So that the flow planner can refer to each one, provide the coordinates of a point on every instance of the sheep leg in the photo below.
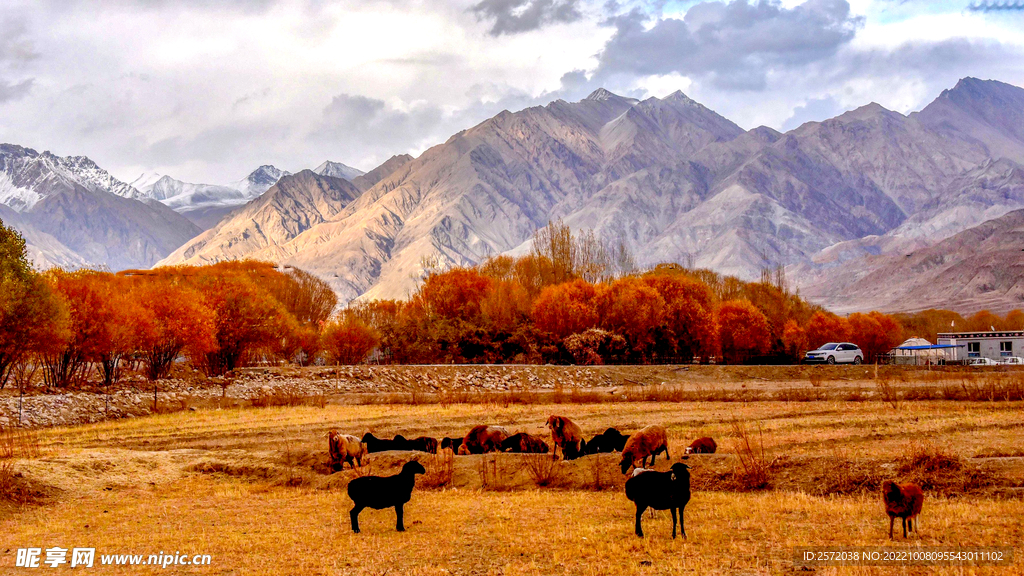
(682, 524)
(673, 522)
(904, 527)
(354, 515)
(639, 515)
(398, 513)
(910, 524)
(891, 520)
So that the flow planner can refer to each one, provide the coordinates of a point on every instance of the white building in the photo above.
(994, 345)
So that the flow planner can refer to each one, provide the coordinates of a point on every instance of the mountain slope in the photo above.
(979, 268)
(293, 205)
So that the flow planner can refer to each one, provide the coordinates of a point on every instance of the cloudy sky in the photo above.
(206, 90)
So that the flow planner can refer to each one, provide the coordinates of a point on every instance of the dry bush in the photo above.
(989, 388)
(488, 471)
(944, 473)
(839, 474)
(887, 392)
(19, 443)
(440, 470)
(815, 379)
(755, 469)
(282, 396)
(543, 469)
(599, 480)
(16, 489)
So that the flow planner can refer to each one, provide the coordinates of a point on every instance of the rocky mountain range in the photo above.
(73, 213)
(838, 202)
(673, 181)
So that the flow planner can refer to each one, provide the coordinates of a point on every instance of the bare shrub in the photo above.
(440, 470)
(755, 469)
(488, 471)
(544, 470)
(887, 392)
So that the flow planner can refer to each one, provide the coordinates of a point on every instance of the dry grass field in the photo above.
(251, 488)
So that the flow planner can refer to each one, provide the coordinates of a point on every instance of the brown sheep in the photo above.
(345, 448)
(902, 501)
(702, 446)
(483, 439)
(567, 436)
(648, 442)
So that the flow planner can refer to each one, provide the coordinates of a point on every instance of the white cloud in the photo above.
(207, 90)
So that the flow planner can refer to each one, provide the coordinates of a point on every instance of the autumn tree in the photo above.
(248, 320)
(69, 365)
(347, 340)
(628, 306)
(689, 313)
(743, 330)
(457, 293)
(794, 339)
(173, 320)
(309, 299)
(983, 321)
(33, 318)
(566, 308)
(824, 327)
(875, 333)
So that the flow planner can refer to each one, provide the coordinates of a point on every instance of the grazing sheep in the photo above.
(524, 443)
(902, 501)
(374, 444)
(567, 436)
(379, 492)
(344, 448)
(452, 444)
(611, 440)
(483, 439)
(424, 444)
(660, 491)
(702, 446)
(648, 442)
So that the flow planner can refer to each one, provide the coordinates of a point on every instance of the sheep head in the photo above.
(627, 461)
(413, 467)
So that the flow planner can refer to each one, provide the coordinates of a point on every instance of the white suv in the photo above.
(836, 353)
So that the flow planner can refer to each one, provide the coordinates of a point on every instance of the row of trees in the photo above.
(68, 325)
(571, 300)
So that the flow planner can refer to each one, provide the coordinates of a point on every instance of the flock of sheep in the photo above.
(646, 488)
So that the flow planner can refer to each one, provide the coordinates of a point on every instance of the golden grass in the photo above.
(255, 529)
(249, 487)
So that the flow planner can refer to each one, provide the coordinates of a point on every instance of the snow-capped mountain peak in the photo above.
(337, 170)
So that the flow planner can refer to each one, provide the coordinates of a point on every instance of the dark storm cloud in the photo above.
(515, 16)
(732, 45)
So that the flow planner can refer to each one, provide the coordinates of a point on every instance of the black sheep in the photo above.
(452, 443)
(374, 444)
(379, 492)
(661, 491)
(611, 440)
(424, 444)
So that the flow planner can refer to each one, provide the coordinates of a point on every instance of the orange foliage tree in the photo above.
(348, 340)
(173, 319)
(628, 306)
(875, 333)
(248, 320)
(689, 314)
(457, 293)
(794, 338)
(824, 327)
(565, 309)
(744, 330)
